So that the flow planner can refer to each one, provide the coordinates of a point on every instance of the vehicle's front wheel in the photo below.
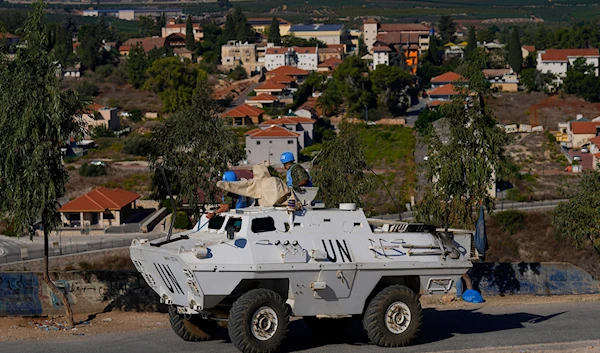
(393, 317)
(194, 328)
(258, 321)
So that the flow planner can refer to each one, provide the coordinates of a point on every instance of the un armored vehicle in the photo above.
(251, 269)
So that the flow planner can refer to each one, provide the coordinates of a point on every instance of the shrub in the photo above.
(88, 89)
(138, 146)
(182, 221)
(102, 131)
(89, 170)
(515, 195)
(510, 221)
(252, 94)
(136, 115)
(239, 73)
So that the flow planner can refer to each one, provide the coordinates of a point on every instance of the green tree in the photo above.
(515, 55)
(238, 73)
(243, 30)
(425, 119)
(472, 42)
(339, 168)
(33, 130)
(292, 41)
(362, 47)
(579, 218)
(464, 155)
(433, 52)
(190, 43)
(229, 29)
(148, 27)
(331, 99)
(354, 84)
(88, 50)
(447, 28)
(392, 84)
(194, 147)
(274, 34)
(536, 81)
(137, 64)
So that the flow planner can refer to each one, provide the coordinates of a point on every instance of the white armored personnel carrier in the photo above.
(251, 269)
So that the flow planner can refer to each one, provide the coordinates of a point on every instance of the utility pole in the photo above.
(367, 114)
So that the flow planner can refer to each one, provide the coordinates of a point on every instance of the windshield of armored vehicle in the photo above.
(216, 222)
(263, 224)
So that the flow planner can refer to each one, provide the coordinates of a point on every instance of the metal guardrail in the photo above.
(73, 249)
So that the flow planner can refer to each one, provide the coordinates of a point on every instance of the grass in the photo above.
(387, 146)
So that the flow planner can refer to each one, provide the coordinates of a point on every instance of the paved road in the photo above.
(453, 330)
(241, 99)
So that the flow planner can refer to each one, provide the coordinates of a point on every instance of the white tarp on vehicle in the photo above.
(268, 190)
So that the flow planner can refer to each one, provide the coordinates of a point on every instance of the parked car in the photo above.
(98, 163)
(576, 158)
(371, 123)
(585, 150)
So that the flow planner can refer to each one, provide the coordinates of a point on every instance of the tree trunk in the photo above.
(55, 289)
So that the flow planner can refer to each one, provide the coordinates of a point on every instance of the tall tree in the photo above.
(339, 168)
(274, 34)
(137, 64)
(391, 84)
(362, 47)
(433, 52)
(447, 28)
(465, 153)
(190, 43)
(185, 147)
(243, 30)
(472, 42)
(36, 119)
(515, 55)
(354, 84)
(63, 47)
(229, 28)
(579, 218)
(148, 27)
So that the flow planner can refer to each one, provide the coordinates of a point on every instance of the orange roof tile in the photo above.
(273, 131)
(595, 140)
(99, 200)
(243, 111)
(288, 120)
(289, 70)
(597, 155)
(147, 43)
(305, 50)
(371, 20)
(403, 27)
(447, 77)
(565, 54)
(437, 103)
(332, 63)
(584, 127)
(274, 51)
(263, 97)
(271, 86)
(445, 90)
(283, 79)
(529, 48)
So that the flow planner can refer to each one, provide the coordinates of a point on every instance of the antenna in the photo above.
(162, 172)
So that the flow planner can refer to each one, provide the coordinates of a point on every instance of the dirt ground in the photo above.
(29, 328)
(540, 109)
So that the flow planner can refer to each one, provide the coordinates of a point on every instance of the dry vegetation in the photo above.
(537, 241)
(133, 180)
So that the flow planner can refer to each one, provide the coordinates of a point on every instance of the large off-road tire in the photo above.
(193, 329)
(393, 317)
(258, 321)
(328, 326)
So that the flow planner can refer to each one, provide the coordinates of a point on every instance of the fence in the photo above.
(71, 249)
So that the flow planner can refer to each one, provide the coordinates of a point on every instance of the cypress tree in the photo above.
(472, 42)
(274, 34)
(190, 43)
(515, 57)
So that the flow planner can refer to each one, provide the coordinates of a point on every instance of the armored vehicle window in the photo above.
(260, 225)
(234, 222)
(216, 222)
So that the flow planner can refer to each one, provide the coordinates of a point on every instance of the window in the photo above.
(270, 141)
(261, 225)
(216, 222)
(290, 142)
(258, 142)
(235, 222)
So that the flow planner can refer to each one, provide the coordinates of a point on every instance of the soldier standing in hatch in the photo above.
(231, 201)
(296, 175)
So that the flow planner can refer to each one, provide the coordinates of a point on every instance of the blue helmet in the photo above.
(230, 176)
(286, 157)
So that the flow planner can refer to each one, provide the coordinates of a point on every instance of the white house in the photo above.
(303, 126)
(381, 54)
(267, 144)
(558, 61)
(306, 58)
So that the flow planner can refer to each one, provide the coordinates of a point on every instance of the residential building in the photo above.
(8, 40)
(134, 14)
(183, 53)
(504, 80)
(580, 132)
(454, 51)
(329, 65)
(396, 34)
(298, 74)
(263, 101)
(244, 115)
(173, 27)
(306, 58)
(309, 109)
(100, 208)
(148, 43)
(381, 53)
(260, 25)
(301, 125)
(558, 61)
(527, 50)
(444, 93)
(240, 54)
(96, 115)
(446, 78)
(282, 79)
(332, 51)
(330, 34)
(268, 143)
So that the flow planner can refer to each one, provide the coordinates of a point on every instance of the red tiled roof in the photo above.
(273, 51)
(288, 120)
(182, 25)
(125, 48)
(565, 54)
(273, 131)
(8, 35)
(447, 77)
(584, 127)
(381, 48)
(595, 140)
(283, 79)
(305, 50)
(147, 43)
(243, 111)
(437, 103)
(403, 27)
(371, 20)
(529, 48)
(332, 63)
(263, 97)
(271, 86)
(445, 90)
(94, 107)
(267, 19)
(289, 70)
(179, 36)
(99, 200)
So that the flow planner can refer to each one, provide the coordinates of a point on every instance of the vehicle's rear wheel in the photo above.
(393, 317)
(328, 326)
(258, 321)
(194, 328)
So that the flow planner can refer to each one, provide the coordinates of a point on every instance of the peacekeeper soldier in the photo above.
(296, 175)
(230, 200)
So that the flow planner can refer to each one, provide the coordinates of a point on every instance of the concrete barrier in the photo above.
(532, 278)
(25, 293)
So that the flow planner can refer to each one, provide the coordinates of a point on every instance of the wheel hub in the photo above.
(397, 317)
(264, 323)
